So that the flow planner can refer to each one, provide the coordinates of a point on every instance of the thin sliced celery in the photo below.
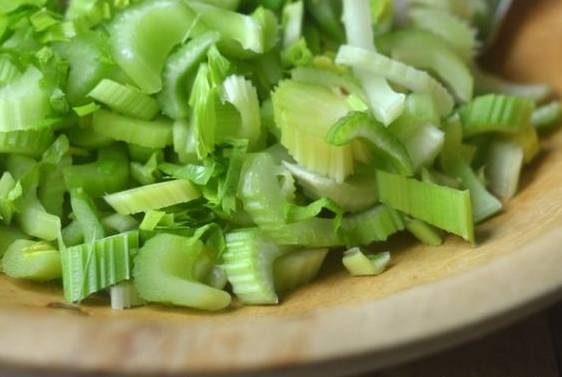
(143, 35)
(327, 15)
(496, 113)
(91, 267)
(375, 224)
(424, 145)
(124, 296)
(292, 20)
(314, 232)
(32, 260)
(242, 94)
(423, 232)
(150, 134)
(487, 83)
(528, 140)
(72, 234)
(119, 223)
(397, 72)
(10, 192)
(329, 78)
(125, 99)
(443, 207)
(85, 212)
(547, 116)
(164, 273)
(7, 236)
(359, 264)
(27, 142)
(182, 64)
(203, 100)
(503, 168)
(248, 263)
(155, 196)
(297, 268)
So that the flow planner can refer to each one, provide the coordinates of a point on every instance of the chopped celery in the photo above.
(423, 232)
(119, 223)
(164, 273)
(27, 142)
(314, 232)
(503, 167)
(547, 116)
(124, 296)
(85, 213)
(7, 236)
(487, 83)
(32, 260)
(297, 268)
(375, 224)
(293, 16)
(359, 264)
(242, 94)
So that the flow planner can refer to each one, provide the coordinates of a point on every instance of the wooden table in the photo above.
(531, 348)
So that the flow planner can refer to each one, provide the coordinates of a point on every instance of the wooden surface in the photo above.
(430, 298)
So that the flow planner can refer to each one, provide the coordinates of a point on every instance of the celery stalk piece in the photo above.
(203, 100)
(424, 145)
(385, 103)
(297, 268)
(32, 260)
(487, 83)
(248, 263)
(24, 104)
(435, 56)
(124, 296)
(423, 232)
(85, 212)
(528, 140)
(9, 71)
(142, 36)
(125, 99)
(91, 267)
(292, 21)
(119, 223)
(150, 134)
(269, 25)
(30, 142)
(52, 188)
(10, 192)
(7, 236)
(311, 233)
(242, 94)
(484, 204)
(164, 273)
(357, 193)
(375, 224)
(359, 264)
(358, 125)
(547, 116)
(457, 32)
(155, 196)
(503, 168)
(179, 67)
(496, 113)
(327, 15)
(443, 207)
(329, 78)
(460, 8)
(397, 72)
(420, 111)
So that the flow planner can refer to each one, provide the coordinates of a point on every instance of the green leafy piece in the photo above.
(547, 116)
(155, 196)
(32, 260)
(373, 225)
(165, 272)
(443, 207)
(359, 264)
(423, 232)
(91, 267)
(297, 268)
(248, 263)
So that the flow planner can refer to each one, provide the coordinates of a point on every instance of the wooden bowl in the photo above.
(428, 299)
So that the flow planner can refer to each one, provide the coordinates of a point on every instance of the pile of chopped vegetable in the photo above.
(173, 151)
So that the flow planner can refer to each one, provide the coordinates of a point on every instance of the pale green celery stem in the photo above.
(293, 14)
(503, 168)
(359, 264)
(124, 296)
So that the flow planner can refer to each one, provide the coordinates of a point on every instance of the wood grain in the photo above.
(429, 298)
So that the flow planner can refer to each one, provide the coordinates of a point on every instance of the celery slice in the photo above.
(487, 83)
(496, 113)
(124, 296)
(375, 224)
(164, 273)
(423, 232)
(359, 264)
(119, 223)
(155, 196)
(203, 100)
(292, 21)
(297, 268)
(124, 99)
(443, 207)
(528, 140)
(27, 142)
(397, 72)
(503, 168)
(143, 35)
(10, 192)
(32, 260)
(242, 94)
(85, 212)
(72, 234)
(150, 134)
(314, 233)
(248, 263)
(547, 116)
(7, 236)
(91, 267)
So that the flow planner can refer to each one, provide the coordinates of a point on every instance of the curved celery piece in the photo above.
(269, 25)
(328, 78)
(31, 142)
(85, 212)
(420, 110)
(496, 113)
(181, 64)
(203, 100)
(8, 235)
(327, 15)
(119, 223)
(423, 232)
(547, 116)
(297, 268)
(248, 263)
(150, 134)
(142, 36)
(357, 193)
(124, 296)
(359, 264)
(435, 56)
(503, 168)
(313, 232)
(125, 99)
(443, 207)
(164, 272)
(457, 32)
(292, 20)
(487, 83)
(397, 72)
(110, 173)
(24, 104)
(375, 224)
(52, 186)
(91, 267)
(358, 125)
(86, 137)
(90, 61)
(10, 192)
(155, 196)
(424, 145)
(528, 140)
(32, 260)
(484, 204)
(72, 234)
(243, 95)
